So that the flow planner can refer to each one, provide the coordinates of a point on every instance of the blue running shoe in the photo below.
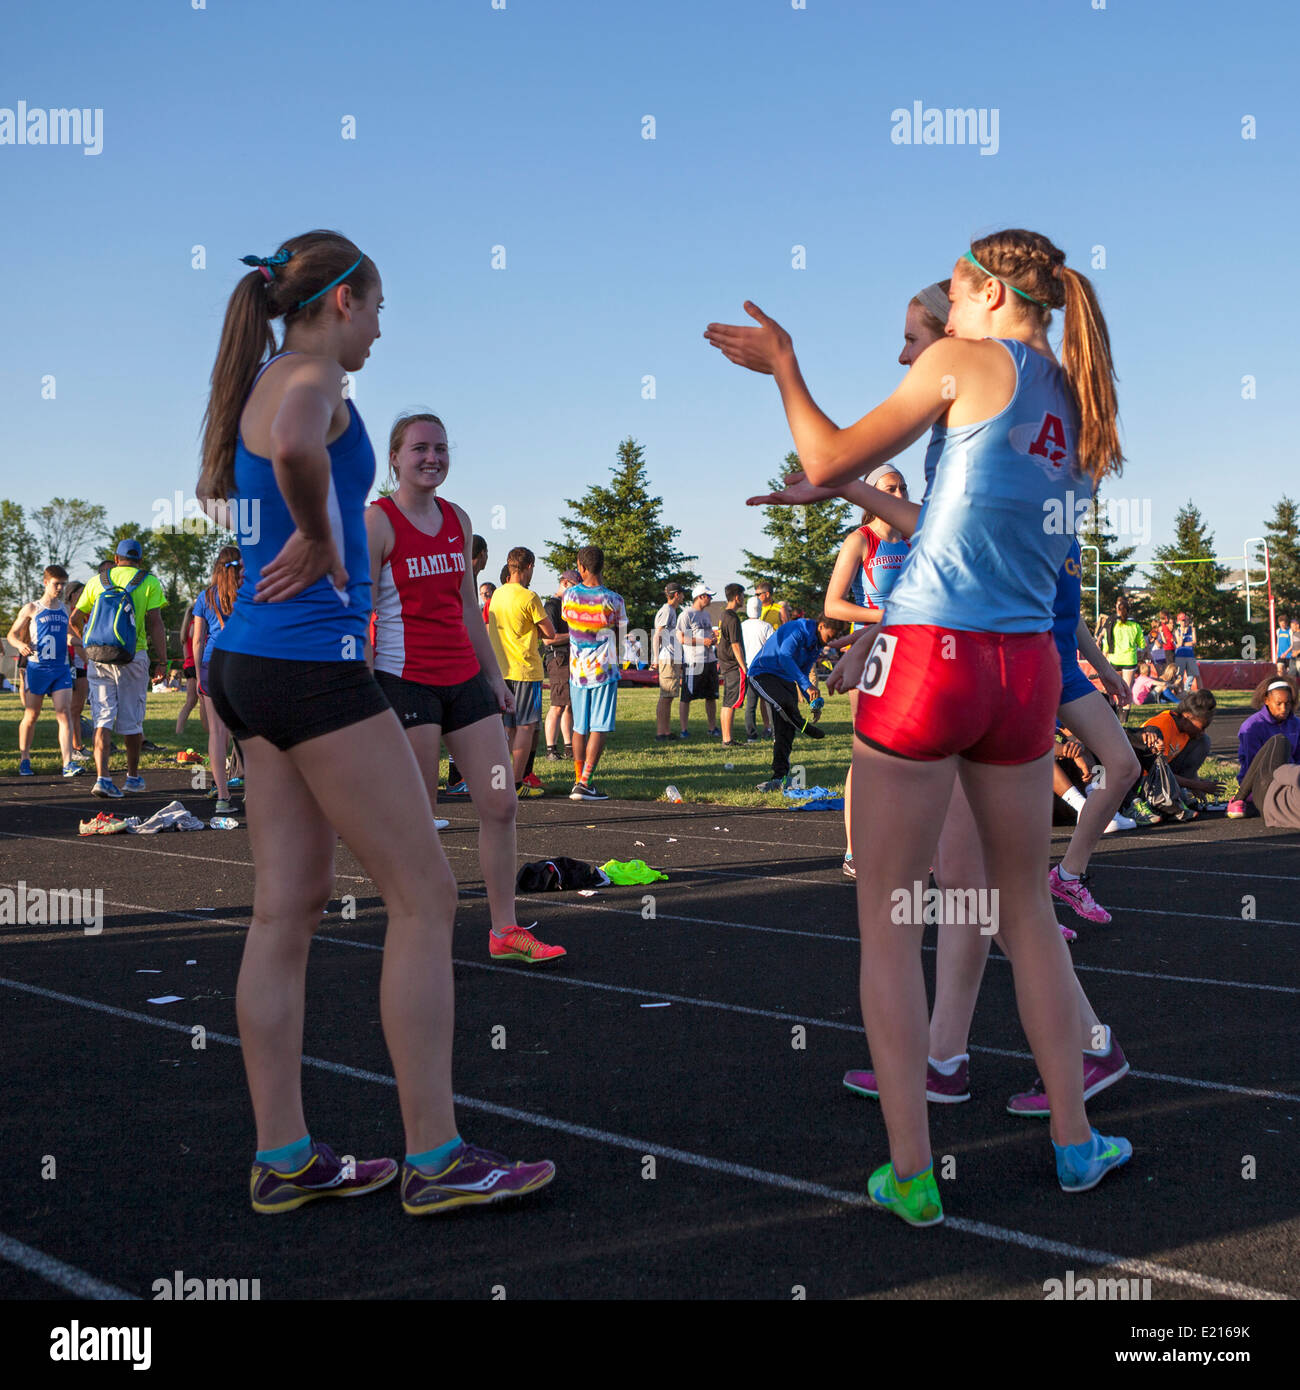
(73, 769)
(134, 784)
(105, 786)
(25, 768)
(460, 789)
(1082, 1166)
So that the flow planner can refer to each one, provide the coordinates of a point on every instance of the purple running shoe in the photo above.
(323, 1175)
(473, 1177)
(1075, 892)
(939, 1089)
(1099, 1071)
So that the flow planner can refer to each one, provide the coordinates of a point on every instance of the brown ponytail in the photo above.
(225, 580)
(1031, 264)
(247, 337)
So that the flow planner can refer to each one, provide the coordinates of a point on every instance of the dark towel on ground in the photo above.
(557, 875)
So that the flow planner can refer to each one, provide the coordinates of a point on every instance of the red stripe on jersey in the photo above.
(419, 620)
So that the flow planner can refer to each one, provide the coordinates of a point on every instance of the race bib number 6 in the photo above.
(876, 672)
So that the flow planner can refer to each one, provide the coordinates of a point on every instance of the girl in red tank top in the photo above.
(433, 660)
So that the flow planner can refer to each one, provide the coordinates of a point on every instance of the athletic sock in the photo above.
(1105, 1048)
(577, 770)
(949, 1068)
(433, 1161)
(289, 1158)
(1074, 799)
(532, 754)
(587, 769)
(1063, 873)
(920, 1172)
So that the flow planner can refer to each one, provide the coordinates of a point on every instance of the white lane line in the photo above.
(1168, 1274)
(1104, 861)
(65, 1276)
(811, 1022)
(549, 900)
(361, 878)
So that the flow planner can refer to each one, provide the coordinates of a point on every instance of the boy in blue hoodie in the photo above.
(780, 674)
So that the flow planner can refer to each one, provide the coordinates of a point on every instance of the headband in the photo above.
(934, 301)
(338, 280)
(970, 256)
(877, 473)
(1278, 685)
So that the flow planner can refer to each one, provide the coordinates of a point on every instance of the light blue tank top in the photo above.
(321, 623)
(990, 541)
(876, 575)
(49, 634)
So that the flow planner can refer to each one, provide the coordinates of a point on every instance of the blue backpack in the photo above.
(110, 637)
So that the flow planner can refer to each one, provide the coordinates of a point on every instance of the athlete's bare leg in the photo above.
(483, 758)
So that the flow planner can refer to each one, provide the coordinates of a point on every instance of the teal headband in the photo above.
(970, 256)
(338, 280)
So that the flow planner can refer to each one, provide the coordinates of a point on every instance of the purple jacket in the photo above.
(1256, 731)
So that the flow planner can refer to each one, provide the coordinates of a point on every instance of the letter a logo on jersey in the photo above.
(1050, 443)
(1045, 443)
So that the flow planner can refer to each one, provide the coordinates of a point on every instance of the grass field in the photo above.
(634, 766)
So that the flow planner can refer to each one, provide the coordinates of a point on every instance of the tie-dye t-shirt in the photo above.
(596, 617)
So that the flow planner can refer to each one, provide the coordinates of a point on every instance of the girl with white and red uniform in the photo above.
(433, 660)
(964, 677)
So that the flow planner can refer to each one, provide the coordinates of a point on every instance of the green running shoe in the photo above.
(916, 1201)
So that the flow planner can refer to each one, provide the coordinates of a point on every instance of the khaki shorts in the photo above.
(117, 695)
(670, 677)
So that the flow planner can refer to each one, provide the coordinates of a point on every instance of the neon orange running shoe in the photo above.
(520, 944)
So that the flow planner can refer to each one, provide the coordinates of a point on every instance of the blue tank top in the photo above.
(322, 623)
(1065, 606)
(880, 568)
(48, 630)
(985, 553)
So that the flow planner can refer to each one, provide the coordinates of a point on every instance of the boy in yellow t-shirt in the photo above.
(517, 626)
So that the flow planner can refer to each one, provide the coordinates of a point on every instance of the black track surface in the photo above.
(152, 1138)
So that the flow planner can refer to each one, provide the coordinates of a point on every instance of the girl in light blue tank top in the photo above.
(1008, 443)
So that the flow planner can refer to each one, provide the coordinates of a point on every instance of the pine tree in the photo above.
(1194, 587)
(1283, 533)
(1114, 569)
(806, 542)
(641, 554)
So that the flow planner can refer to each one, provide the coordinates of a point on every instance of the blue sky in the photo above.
(522, 127)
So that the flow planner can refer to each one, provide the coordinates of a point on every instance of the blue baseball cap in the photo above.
(128, 549)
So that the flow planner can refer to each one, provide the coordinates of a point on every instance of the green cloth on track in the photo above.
(631, 871)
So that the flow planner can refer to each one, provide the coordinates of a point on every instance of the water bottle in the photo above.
(673, 794)
(223, 823)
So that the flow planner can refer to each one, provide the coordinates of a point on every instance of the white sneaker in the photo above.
(1119, 822)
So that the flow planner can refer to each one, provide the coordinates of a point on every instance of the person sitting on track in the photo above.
(433, 661)
(325, 754)
(1267, 740)
(1185, 742)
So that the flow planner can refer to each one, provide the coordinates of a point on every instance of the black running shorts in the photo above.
(289, 702)
(450, 707)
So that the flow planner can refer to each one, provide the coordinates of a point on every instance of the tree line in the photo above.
(626, 520)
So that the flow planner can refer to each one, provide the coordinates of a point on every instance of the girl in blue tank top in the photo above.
(287, 465)
(964, 670)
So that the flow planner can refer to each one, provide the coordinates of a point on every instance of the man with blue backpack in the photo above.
(119, 616)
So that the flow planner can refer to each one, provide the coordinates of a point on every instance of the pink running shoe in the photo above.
(1075, 892)
(939, 1089)
(1068, 932)
(1099, 1071)
(1236, 809)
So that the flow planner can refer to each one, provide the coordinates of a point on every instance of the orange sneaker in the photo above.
(520, 944)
